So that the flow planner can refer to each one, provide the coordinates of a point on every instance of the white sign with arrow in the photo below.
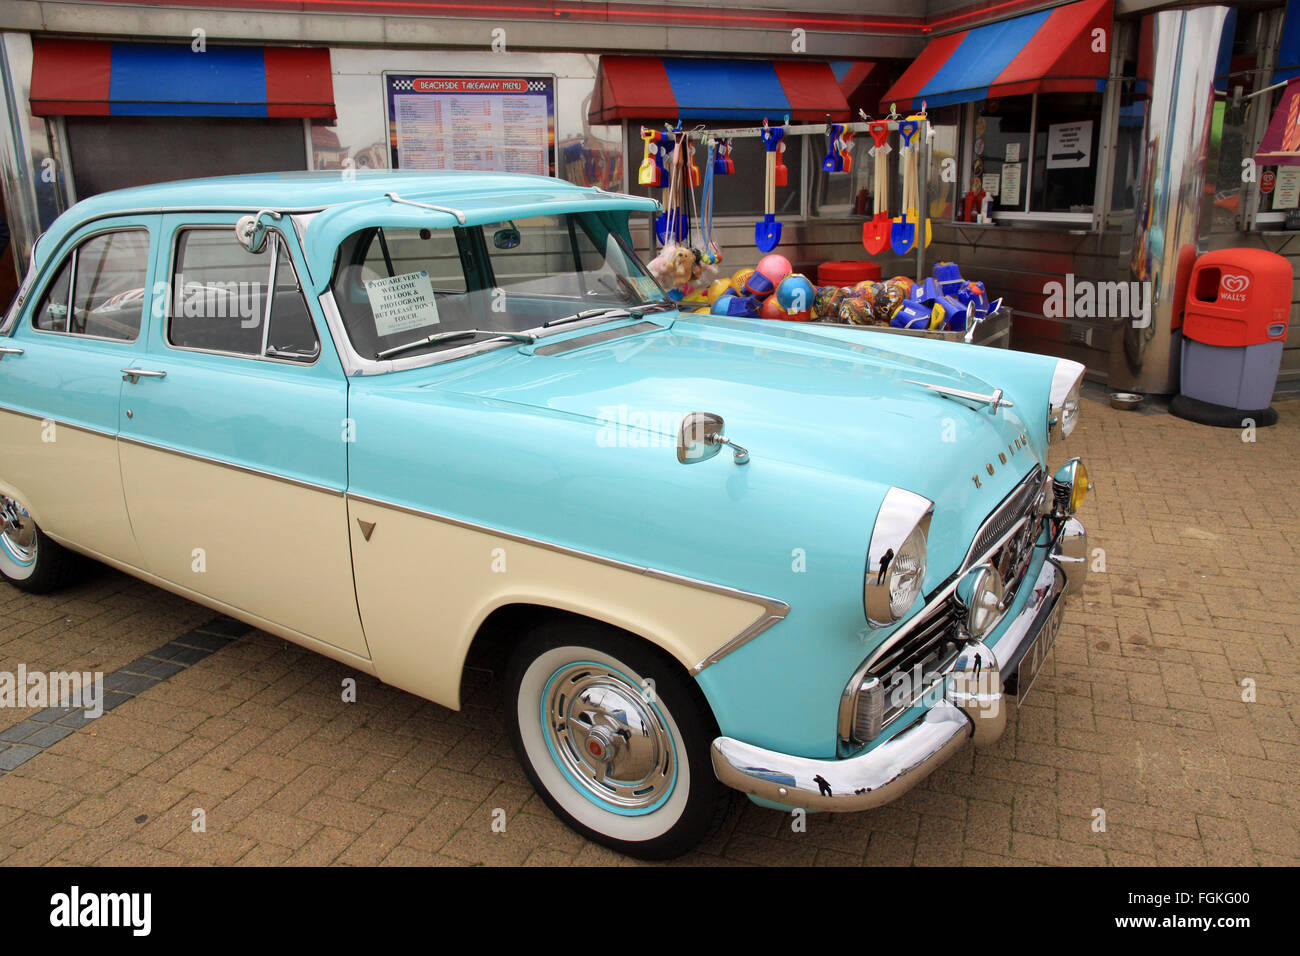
(1069, 145)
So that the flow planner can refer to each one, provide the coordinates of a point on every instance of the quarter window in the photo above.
(227, 299)
(106, 275)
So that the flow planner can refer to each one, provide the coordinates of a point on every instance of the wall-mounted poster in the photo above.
(494, 123)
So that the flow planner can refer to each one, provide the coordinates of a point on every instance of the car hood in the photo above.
(786, 393)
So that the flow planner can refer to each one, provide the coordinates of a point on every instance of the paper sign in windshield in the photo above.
(402, 303)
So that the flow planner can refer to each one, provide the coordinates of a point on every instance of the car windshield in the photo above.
(409, 291)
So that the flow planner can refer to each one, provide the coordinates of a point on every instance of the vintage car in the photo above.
(406, 418)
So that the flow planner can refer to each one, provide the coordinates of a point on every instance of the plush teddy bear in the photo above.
(675, 266)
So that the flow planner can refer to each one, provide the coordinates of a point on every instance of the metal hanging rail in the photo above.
(812, 129)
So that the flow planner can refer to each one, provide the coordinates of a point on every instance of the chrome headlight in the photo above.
(1063, 399)
(896, 557)
(980, 593)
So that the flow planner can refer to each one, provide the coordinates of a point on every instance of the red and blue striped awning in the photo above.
(1051, 51)
(658, 88)
(100, 78)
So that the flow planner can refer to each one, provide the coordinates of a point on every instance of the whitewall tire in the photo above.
(615, 737)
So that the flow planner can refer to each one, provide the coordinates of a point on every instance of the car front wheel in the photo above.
(29, 560)
(615, 738)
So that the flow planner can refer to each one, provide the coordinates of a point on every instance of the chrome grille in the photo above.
(1005, 516)
(918, 659)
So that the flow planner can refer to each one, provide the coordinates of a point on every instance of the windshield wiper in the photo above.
(586, 314)
(451, 336)
(613, 311)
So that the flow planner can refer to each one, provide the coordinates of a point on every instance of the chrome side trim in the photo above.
(296, 482)
(773, 610)
(58, 424)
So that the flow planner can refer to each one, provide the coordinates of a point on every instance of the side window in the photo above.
(396, 252)
(222, 296)
(52, 314)
(107, 274)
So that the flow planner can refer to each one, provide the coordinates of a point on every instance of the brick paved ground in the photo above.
(1140, 715)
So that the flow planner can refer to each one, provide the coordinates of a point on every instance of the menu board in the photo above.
(492, 123)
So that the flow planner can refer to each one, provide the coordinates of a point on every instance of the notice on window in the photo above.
(489, 123)
(992, 183)
(1069, 145)
(1010, 185)
(1013, 153)
(1286, 195)
(402, 303)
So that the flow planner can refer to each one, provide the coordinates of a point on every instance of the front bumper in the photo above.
(973, 706)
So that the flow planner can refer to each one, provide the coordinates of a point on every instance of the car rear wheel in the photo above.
(615, 738)
(29, 560)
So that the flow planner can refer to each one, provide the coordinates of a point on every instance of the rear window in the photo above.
(99, 289)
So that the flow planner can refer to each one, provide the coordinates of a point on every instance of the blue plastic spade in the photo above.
(767, 231)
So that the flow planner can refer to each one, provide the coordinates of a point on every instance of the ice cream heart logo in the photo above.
(1235, 284)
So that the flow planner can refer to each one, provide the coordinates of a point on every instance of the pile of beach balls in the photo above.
(867, 303)
(770, 290)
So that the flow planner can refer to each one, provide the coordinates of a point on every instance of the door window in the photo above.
(106, 275)
(227, 299)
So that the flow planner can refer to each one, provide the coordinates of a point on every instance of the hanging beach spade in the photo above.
(902, 235)
(875, 231)
(767, 231)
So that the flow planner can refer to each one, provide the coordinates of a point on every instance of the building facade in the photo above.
(1110, 139)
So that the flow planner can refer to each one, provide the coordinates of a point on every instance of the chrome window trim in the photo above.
(773, 609)
(71, 259)
(279, 237)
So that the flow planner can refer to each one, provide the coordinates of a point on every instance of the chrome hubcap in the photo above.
(609, 736)
(17, 532)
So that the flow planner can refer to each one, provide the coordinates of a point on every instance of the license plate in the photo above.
(1036, 656)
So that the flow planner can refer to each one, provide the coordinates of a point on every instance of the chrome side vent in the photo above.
(1013, 508)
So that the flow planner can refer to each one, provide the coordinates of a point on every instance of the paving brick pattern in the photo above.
(1139, 714)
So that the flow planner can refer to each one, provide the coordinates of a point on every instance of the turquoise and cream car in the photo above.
(409, 419)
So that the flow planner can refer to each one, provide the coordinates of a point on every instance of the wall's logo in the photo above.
(1234, 287)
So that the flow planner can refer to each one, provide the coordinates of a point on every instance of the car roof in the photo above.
(313, 190)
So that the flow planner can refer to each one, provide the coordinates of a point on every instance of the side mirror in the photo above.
(700, 438)
(506, 238)
(250, 232)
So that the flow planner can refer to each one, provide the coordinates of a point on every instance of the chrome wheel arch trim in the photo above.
(773, 611)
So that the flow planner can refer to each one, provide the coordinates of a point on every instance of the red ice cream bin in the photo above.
(1234, 326)
(847, 272)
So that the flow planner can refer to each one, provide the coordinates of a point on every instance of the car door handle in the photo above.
(9, 350)
(134, 375)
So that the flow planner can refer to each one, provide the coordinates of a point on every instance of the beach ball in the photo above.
(795, 293)
(855, 312)
(771, 309)
(740, 278)
(718, 288)
(771, 270)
